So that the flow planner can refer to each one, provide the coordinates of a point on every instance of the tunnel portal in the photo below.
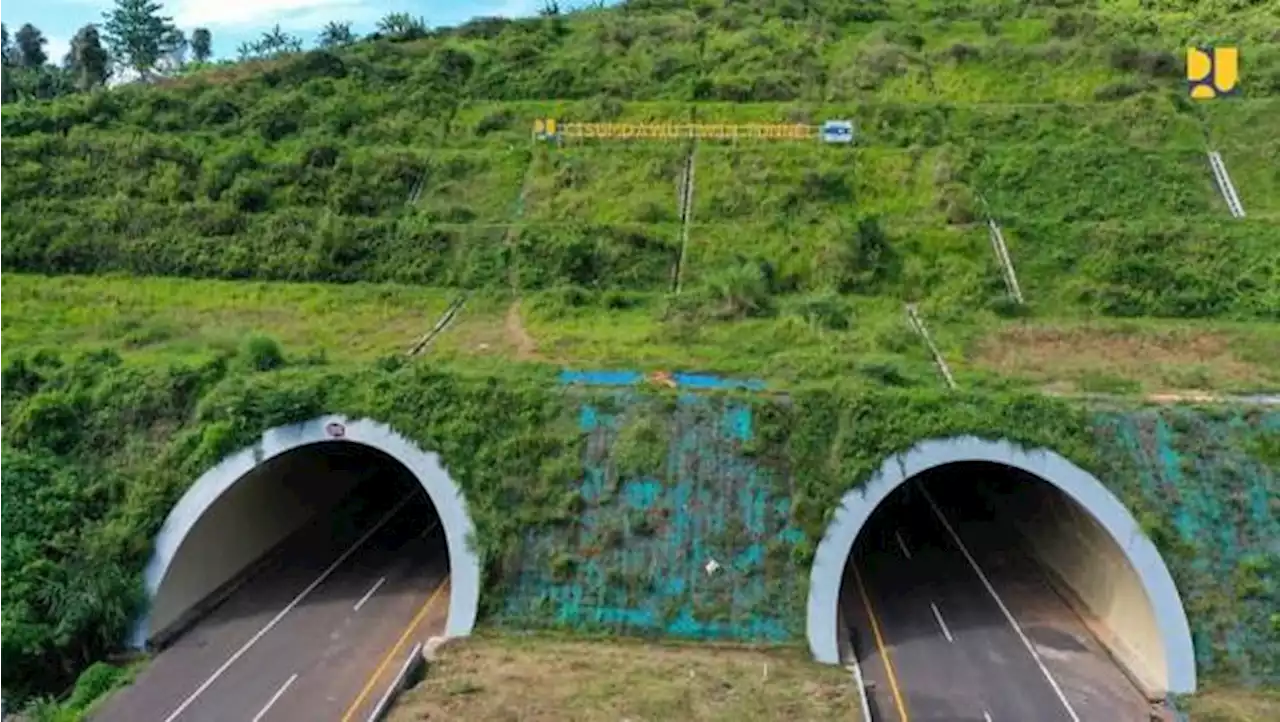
(957, 536)
(293, 579)
(306, 497)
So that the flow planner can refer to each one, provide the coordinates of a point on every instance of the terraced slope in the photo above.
(1102, 217)
(413, 163)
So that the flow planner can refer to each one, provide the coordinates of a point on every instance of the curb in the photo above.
(409, 672)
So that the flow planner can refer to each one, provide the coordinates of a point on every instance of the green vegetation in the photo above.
(97, 450)
(151, 229)
(322, 168)
(809, 339)
(1233, 705)
(91, 689)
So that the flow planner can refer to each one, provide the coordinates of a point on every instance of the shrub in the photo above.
(261, 353)
(861, 261)
(99, 679)
(249, 195)
(826, 311)
(494, 122)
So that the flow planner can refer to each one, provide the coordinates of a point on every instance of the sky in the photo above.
(232, 22)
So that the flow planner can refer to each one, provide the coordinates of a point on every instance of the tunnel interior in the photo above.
(290, 519)
(992, 530)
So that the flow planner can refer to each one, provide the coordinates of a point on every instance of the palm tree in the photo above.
(273, 42)
(402, 26)
(336, 34)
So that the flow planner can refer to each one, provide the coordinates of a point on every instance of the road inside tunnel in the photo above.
(297, 595)
(954, 614)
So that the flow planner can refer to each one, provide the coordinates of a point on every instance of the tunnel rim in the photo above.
(858, 504)
(426, 467)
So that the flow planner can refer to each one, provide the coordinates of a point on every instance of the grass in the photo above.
(177, 318)
(1159, 355)
(547, 679)
(856, 339)
(92, 690)
(1093, 226)
(1234, 705)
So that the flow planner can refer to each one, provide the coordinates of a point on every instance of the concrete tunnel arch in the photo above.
(857, 506)
(444, 493)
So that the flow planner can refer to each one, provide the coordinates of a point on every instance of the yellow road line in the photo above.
(377, 673)
(884, 653)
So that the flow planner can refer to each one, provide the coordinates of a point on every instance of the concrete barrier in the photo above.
(411, 667)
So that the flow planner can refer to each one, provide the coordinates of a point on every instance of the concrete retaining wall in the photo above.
(1092, 574)
(248, 520)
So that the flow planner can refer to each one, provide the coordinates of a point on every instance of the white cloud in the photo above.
(259, 13)
(357, 14)
(529, 8)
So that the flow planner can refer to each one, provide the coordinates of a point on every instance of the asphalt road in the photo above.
(939, 645)
(271, 652)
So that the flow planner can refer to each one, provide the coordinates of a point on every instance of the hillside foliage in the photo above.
(97, 452)
(412, 162)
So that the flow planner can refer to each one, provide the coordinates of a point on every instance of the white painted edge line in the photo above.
(365, 598)
(938, 616)
(384, 703)
(863, 702)
(275, 698)
(986, 716)
(382, 580)
(901, 544)
(276, 619)
(1000, 603)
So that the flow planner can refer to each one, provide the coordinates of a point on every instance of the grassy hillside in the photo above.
(818, 340)
(1071, 123)
(338, 201)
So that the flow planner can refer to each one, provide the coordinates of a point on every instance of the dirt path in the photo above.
(526, 347)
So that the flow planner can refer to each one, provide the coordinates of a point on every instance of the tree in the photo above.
(175, 56)
(43, 82)
(88, 61)
(402, 26)
(277, 41)
(138, 35)
(551, 11)
(7, 93)
(201, 45)
(336, 34)
(30, 46)
(272, 43)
